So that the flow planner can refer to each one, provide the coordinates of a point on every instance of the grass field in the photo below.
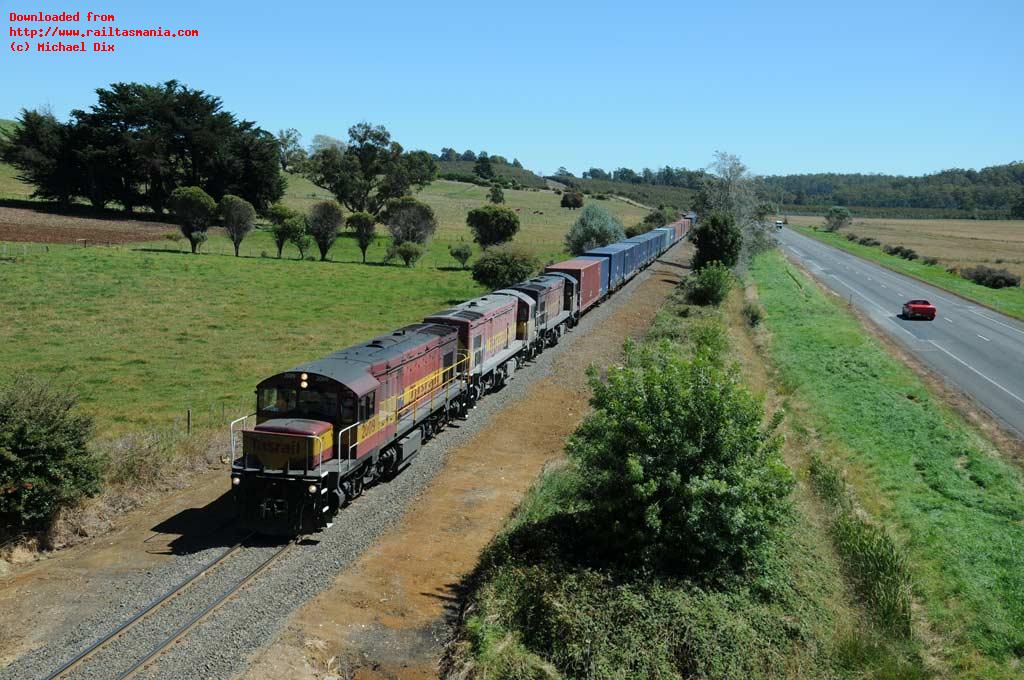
(146, 332)
(997, 243)
(954, 503)
(1006, 300)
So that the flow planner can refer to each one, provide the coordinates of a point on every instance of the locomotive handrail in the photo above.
(232, 432)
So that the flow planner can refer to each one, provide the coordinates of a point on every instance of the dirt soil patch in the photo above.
(387, 615)
(25, 225)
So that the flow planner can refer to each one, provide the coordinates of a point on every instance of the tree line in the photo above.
(138, 144)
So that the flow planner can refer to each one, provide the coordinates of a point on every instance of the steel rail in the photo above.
(161, 647)
(145, 612)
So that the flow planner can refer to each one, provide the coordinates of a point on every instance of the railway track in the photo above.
(192, 619)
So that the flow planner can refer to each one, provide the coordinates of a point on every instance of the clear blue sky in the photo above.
(895, 86)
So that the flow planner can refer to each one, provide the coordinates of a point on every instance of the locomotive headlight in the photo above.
(303, 384)
(304, 376)
(235, 481)
(312, 488)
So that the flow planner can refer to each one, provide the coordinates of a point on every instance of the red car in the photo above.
(919, 309)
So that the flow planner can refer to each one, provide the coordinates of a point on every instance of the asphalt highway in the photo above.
(977, 350)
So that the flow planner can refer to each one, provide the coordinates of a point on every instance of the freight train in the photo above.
(327, 429)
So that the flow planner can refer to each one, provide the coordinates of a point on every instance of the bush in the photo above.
(753, 313)
(409, 252)
(991, 277)
(867, 241)
(636, 230)
(595, 227)
(194, 210)
(837, 217)
(461, 252)
(504, 266)
(930, 260)
(496, 195)
(325, 218)
(284, 222)
(717, 239)
(850, 236)
(679, 466)
(365, 227)
(409, 220)
(572, 200)
(45, 462)
(465, 177)
(239, 218)
(710, 285)
(492, 225)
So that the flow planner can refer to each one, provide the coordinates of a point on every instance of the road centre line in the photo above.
(985, 316)
(956, 358)
(880, 308)
(983, 337)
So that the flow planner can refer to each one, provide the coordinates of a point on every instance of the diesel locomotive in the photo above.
(326, 429)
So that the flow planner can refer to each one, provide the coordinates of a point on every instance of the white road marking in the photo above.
(983, 337)
(955, 357)
(880, 308)
(985, 316)
(884, 286)
(948, 319)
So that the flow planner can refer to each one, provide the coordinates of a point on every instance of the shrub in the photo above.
(867, 241)
(595, 227)
(496, 195)
(908, 254)
(850, 236)
(837, 217)
(409, 252)
(679, 466)
(239, 218)
(282, 225)
(991, 277)
(572, 200)
(753, 313)
(409, 220)
(717, 239)
(636, 230)
(461, 252)
(45, 462)
(298, 235)
(492, 225)
(365, 226)
(325, 219)
(710, 285)
(504, 266)
(930, 260)
(194, 210)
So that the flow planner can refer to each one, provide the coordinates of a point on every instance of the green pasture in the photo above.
(955, 504)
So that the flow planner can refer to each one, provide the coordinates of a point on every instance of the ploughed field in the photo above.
(144, 332)
(964, 243)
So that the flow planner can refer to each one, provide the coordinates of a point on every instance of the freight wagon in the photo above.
(592, 278)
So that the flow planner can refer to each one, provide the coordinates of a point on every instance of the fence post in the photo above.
(188, 425)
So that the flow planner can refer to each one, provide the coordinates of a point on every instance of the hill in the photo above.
(521, 175)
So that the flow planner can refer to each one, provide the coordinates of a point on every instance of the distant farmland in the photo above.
(996, 243)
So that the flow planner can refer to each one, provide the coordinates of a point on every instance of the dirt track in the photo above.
(25, 225)
(386, 616)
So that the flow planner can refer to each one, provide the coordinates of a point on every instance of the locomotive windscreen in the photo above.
(282, 402)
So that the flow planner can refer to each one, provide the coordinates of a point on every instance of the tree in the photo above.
(45, 461)
(325, 219)
(239, 218)
(837, 217)
(496, 195)
(409, 252)
(709, 285)
(40, 148)
(194, 211)
(1017, 210)
(286, 224)
(716, 238)
(461, 252)
(321, 142)
(504, 266)
(409, 220)
(492, 225)
(483, 167)
(680, 467)
(516, 163)
(594, 228)
(371, 171)
(448, 155)
(365, 227)
(467, 155)
(596, 173)
(572, 200)
(663, 215)
(291, 152)
(298, 234)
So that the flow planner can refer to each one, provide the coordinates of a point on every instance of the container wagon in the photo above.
(592, 278)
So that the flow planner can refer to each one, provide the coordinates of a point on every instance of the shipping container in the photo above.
(616, 259)
(587, 273)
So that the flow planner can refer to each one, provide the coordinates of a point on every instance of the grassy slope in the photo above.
(146, 334)
(644, 193)
(1009, 301)
(956, 505)
(795, 623)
